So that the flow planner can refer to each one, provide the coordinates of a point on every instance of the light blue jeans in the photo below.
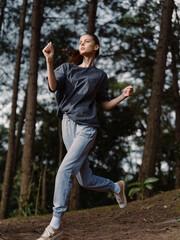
(78, 140)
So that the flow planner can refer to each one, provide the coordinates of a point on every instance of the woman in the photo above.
(79, 84)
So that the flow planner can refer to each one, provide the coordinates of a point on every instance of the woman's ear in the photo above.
(96, 47)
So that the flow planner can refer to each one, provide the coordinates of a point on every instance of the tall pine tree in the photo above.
(153, 122)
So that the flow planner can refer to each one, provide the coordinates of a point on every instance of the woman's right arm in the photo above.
(48, 52)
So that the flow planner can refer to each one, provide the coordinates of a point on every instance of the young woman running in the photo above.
(78, 85)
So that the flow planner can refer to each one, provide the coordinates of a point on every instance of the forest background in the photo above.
(139, 138)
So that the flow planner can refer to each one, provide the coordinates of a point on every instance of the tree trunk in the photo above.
(8, 177)
(19, 134)
(92, 16)
(38, 193)
(175, 51)
(153, 121)
(3, 5)
(74, 197)
(27, 157)
(75, 192)
(60, 144)
(43, 203)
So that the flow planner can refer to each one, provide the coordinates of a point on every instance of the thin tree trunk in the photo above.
(19, 134)
(175, 51)
(92, 16)
(153, 122)
(38, 193)
(43, 203)
(74, 197)
(27, 157)
(75, 192)
(3, 5)
(7, 184)
(60, 144)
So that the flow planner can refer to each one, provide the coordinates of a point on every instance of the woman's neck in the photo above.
(87, 62)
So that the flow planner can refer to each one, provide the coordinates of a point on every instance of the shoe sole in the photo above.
(118, 199)
(58, 235)
(125, 200)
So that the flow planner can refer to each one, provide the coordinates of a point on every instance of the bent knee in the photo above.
(82, 183)
(62, 171)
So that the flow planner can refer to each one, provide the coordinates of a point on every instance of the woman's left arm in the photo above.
(108, 105)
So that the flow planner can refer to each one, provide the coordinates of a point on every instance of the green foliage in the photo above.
(139, 187)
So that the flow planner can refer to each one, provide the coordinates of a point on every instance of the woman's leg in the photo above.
(78, 149)
(90, 181)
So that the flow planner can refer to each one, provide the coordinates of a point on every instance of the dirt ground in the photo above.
(142, 220)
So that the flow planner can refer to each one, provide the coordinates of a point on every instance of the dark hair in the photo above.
(74, 55)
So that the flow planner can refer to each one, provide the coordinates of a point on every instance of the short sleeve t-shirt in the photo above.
(77, 91)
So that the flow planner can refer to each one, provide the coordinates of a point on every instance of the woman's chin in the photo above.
(82, 53)
(86, 54)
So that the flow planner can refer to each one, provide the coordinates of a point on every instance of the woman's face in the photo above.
(87, 46)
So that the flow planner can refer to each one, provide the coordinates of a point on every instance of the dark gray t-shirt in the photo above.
(77, 91)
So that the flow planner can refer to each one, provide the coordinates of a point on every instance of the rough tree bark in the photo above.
(153, 121)
(27, 157)
(8, 176)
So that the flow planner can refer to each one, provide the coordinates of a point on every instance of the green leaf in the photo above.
(149, 186)
(134, 184)
(133, 191)
(29, 211)
(151, 180)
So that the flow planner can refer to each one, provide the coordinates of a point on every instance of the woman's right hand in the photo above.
(48, 52)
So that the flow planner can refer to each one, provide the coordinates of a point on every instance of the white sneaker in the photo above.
(51, 233)
(121, 197)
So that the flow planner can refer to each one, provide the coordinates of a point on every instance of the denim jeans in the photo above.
(78, 140)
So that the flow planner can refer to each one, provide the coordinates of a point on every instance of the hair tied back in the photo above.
(74, 55)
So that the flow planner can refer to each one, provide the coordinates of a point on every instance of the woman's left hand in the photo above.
(128, 91)
(108, 105)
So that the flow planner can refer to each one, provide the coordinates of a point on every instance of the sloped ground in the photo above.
(142, 220)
